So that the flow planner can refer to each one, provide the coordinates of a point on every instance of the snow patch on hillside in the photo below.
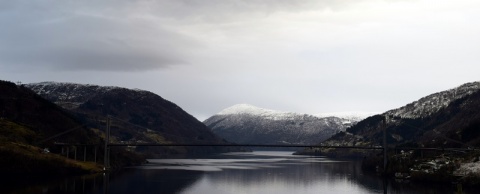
(353, 116)
(433, 103)
(470, 168)
(71, 95)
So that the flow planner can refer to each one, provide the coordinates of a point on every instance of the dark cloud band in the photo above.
(78, 41)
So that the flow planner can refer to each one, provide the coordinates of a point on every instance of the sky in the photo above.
(309, 56)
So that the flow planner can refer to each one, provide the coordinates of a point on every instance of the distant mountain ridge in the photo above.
(244, 123)
(69, 95)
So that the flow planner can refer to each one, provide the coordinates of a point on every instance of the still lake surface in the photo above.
(236, 173)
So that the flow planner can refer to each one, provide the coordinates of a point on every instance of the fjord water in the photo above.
(250, 172)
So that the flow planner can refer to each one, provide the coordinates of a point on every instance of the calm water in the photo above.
(236, 173)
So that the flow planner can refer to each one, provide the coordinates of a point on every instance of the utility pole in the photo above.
(385, 144)
(95, 154)
(106, 159)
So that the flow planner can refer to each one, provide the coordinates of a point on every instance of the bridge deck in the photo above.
(263, 145)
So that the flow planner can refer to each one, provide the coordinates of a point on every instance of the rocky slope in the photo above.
(245, 123)
(434, 103)
(449, 118)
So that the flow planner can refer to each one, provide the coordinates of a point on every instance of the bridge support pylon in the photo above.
(106, 159)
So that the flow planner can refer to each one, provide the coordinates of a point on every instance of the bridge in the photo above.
(240, 145)
(265, 145)
(107, 145)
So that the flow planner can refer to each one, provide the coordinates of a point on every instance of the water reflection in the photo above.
(48, 184)
(287, 175)
(148, 181)
(279, 172)
(257, 172)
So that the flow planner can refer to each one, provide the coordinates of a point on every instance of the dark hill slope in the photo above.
(446, 119)
(138, 116)
(25, 120)
(150, 111)
(23, 106)
(456, 125)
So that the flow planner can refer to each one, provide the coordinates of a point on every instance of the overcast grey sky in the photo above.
(205, 55)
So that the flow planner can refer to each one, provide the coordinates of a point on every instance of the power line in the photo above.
(162, 133)
(60, 134)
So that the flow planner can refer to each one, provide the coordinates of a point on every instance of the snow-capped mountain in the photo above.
(245, 123)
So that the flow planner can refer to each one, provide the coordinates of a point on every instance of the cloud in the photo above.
(225, 11)
(72, 38)
(125, 35)
(305, 56)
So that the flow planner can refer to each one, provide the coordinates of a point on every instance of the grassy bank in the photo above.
(17, 158)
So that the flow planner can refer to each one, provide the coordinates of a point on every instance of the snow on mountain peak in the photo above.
(278, 115)
(243, 109)
(353, 115)
(244, 123)
(256, 111)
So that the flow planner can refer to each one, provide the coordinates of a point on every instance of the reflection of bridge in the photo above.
(107, 158)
